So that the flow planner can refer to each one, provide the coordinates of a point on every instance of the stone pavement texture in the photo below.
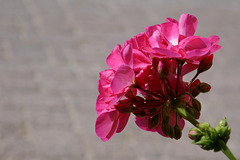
(51, 52)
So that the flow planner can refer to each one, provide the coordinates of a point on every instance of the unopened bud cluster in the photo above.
(207, 137)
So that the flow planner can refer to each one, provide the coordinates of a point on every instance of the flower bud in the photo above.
(196, 104)
(223, 130)
(178, 132)
(155, 63)
(195, 134)
(139, 114)
(165, 115)
(153, 122)
(212, 133)
(206, 143)
(193, 112)
(223, 122)
(171, 132)
(151, 111)
(204, 87)
(195, 92)
(124, 106)
(205, 64)
(204, 126)
(194, 88)
(165, 128)
(164, 71)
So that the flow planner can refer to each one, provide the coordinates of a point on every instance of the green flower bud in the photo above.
(139, 114)
(153, 122)
(193, 112)
(151, 111)
(204, 126)
(195, 92)
(164, 71)
(165, 128)
(204, 87)
(171, 132)
(223, 122)
(194, 88)
(212, 133)
(165, 115)
(196, 104)
(195, 134)
(178, 132)
(223, 130)
(206, 143)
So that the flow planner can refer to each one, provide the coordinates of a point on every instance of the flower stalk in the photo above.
(226, 150)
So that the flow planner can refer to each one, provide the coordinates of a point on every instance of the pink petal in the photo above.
(189, 67)
(172, 20)
(194, 42)
(187, 25)
(166, 53)
(104, 83)
(106, 125)
(159, 130)
(141, 40)
(215, 48)
(124, 77)
(197, 53)
(143, 123)
(153, 34)
(214, 39)
(141, 60)
(114, 60)
(127, 55)
(101, 104)
(115, 99)
(170, 32)
(123, 119)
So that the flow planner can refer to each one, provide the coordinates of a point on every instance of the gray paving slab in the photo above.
(50, 56)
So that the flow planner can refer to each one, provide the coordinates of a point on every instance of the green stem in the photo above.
(187, 116)
(225, 149)
(221, 143)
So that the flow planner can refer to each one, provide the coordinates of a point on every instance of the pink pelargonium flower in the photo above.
(112, 86)
(120, 56)
(175, 39)
(130, 54)
(141, 59)
(109, 122)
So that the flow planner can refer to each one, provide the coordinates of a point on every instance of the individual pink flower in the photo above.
(175, 39)
(141, 59)
(112, 86)
(120, 56)
(109, 122)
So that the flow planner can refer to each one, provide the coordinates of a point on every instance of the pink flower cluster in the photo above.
(145, 78)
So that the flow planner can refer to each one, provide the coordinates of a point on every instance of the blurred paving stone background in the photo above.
(51, 52)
